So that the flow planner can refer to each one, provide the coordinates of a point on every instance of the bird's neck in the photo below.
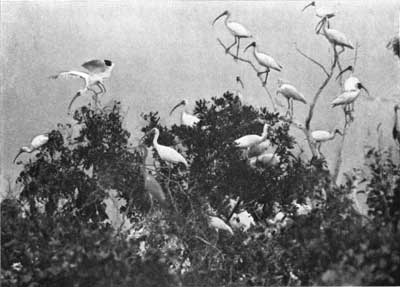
(396, 120)
(155, 139)
(28, 149)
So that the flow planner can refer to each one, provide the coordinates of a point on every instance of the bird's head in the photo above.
(349, 68)
(312, 3)
(225, 13)
(396, 107)
(253, 44)
(337, 131)
(239, 81)
(181, 103)
(360, 86)
(108, 63)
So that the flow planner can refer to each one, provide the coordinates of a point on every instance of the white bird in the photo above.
(321, 136)
(151, 185)
(351, 83)
(264, 60)
(321, 12)
(349, 96)
(290, 93)
(236, 29)
(335, 37)
(258, 149)
(186, 118)
(304, 208)
(268, 159)
(166, 153)
(36, 143)
(242, 220)
(250, 140)
(98, 70)
(219, 224)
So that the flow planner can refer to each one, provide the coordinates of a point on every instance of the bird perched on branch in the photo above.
(151, 185)
(36, 143)
(320, 12)
(236, 29)
(219, 224)
(291, 94)
(166, 153)
(349, 96)
(321, 136)
(98, 70)
(264, 60)
(335, 37)
(250, 140)
(186, 118)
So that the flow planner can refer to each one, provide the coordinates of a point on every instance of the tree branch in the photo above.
(254, 68)
(312, 60)
(207, 243)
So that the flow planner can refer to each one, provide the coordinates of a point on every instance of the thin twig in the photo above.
(254, 68)
(207, 243)
(311, 59)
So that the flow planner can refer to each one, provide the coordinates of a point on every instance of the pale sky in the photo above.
(166, 51)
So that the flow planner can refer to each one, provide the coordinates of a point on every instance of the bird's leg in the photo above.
(229, 47)
(291, 108)
(237, 49)
(260, 73)
(266, 77)
(104, 87)
(288, 107)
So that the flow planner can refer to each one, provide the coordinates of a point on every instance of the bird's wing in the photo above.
(239, 29)
(71, 75)
(340, 38)
(95, 66)
(39, 140)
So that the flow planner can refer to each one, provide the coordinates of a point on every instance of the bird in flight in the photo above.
(97, 71)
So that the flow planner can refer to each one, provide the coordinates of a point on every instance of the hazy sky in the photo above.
(167, 51)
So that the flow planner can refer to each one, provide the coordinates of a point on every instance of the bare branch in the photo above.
(207, 243)
(254, 68)
(312, 60)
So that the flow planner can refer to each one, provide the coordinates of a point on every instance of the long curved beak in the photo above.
(174, 108)
(364, 88)
(72, 101)
(250, 45)
(349, 68)
(215, 20)
(239, 80)
(308, 5)
(17, 156)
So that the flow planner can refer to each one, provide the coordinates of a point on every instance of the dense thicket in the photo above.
(57, 231)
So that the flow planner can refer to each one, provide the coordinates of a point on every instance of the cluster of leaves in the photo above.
(72, 243)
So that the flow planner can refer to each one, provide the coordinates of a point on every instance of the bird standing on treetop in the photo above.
(250, 140)
(351, 82)
(151, 185)
(291, 94)
(219, 224)
(98, 70)
(320, 12)
(36, 143)
(396, 126)
(349, 96)
(166, 153)
(321, 136)
(264, 60)
(186, 118)
(335, 37)
(236, 29)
